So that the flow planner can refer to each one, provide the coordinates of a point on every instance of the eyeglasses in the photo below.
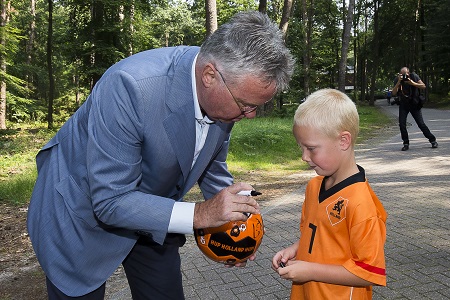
(245, 109)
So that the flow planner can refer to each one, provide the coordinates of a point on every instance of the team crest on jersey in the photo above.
(337, 210)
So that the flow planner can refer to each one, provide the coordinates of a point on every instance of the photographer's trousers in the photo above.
(416, 113)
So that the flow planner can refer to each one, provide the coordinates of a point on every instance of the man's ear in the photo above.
(345, 140)
(208, 75)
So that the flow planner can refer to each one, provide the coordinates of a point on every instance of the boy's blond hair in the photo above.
(329, 111)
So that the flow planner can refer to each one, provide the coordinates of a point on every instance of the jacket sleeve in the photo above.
(114, 160)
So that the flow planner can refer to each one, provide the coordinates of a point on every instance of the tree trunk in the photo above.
(345, 45)
(50, 66)
(131, 12)
(356, 52)
(211, 16)
(375, 53)
(4, 20)
(127, 12)
(31, 38)
(423, 58)
(307, 18)
(363, 60)
(287, 8)
(262, 6)
(417, 38)
(98, 36)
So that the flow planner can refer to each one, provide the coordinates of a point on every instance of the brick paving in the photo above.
(414, 187)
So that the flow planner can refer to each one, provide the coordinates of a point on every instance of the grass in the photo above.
(267, 144)
(438, 101)
(18, 148)
(371, 121)
(263, 144)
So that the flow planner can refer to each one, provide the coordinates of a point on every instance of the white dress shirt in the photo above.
(182, 218)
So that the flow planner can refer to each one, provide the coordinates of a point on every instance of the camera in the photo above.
(405, 77)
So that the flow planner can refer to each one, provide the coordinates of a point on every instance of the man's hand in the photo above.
(241, 264)
(225, 206)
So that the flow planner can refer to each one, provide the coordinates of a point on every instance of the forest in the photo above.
(53, 52)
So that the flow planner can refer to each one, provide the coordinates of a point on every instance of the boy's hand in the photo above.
(284, 256)
(296, 271)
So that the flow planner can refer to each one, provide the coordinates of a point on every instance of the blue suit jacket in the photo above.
(118, 165)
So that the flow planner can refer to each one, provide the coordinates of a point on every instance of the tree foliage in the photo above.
(90, 36)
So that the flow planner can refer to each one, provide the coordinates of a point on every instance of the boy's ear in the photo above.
(345, 140)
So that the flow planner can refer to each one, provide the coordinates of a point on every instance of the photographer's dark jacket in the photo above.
(408, 94)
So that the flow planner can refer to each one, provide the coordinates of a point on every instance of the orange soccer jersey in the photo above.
(344, 225)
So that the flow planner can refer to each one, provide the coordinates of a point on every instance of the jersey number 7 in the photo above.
(311, 242)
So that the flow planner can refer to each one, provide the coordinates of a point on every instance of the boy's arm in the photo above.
(302, 271)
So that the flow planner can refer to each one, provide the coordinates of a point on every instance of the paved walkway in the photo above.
(414, 187)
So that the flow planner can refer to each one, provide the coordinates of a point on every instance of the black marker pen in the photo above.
(249, 193)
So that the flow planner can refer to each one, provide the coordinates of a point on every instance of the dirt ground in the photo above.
(20, 274)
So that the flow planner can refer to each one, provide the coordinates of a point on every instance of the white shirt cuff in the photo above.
(182, 218)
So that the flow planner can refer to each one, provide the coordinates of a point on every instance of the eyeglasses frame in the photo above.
(245, 110)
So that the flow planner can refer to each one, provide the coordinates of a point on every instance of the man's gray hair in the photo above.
(249, 44)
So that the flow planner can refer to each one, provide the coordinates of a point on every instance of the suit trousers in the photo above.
(416, 113)
(153, 272)
(55, 294)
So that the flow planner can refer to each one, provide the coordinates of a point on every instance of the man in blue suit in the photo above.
(111, 182)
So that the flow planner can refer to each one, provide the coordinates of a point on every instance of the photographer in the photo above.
(407, 86)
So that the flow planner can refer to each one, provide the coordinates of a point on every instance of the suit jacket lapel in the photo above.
(180, 129)
(179, 124)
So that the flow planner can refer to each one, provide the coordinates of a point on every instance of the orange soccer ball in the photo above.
(232, 242)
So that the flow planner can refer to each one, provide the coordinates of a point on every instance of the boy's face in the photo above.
(322, 153)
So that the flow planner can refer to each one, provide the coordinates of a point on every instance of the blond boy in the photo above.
(340, 253)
